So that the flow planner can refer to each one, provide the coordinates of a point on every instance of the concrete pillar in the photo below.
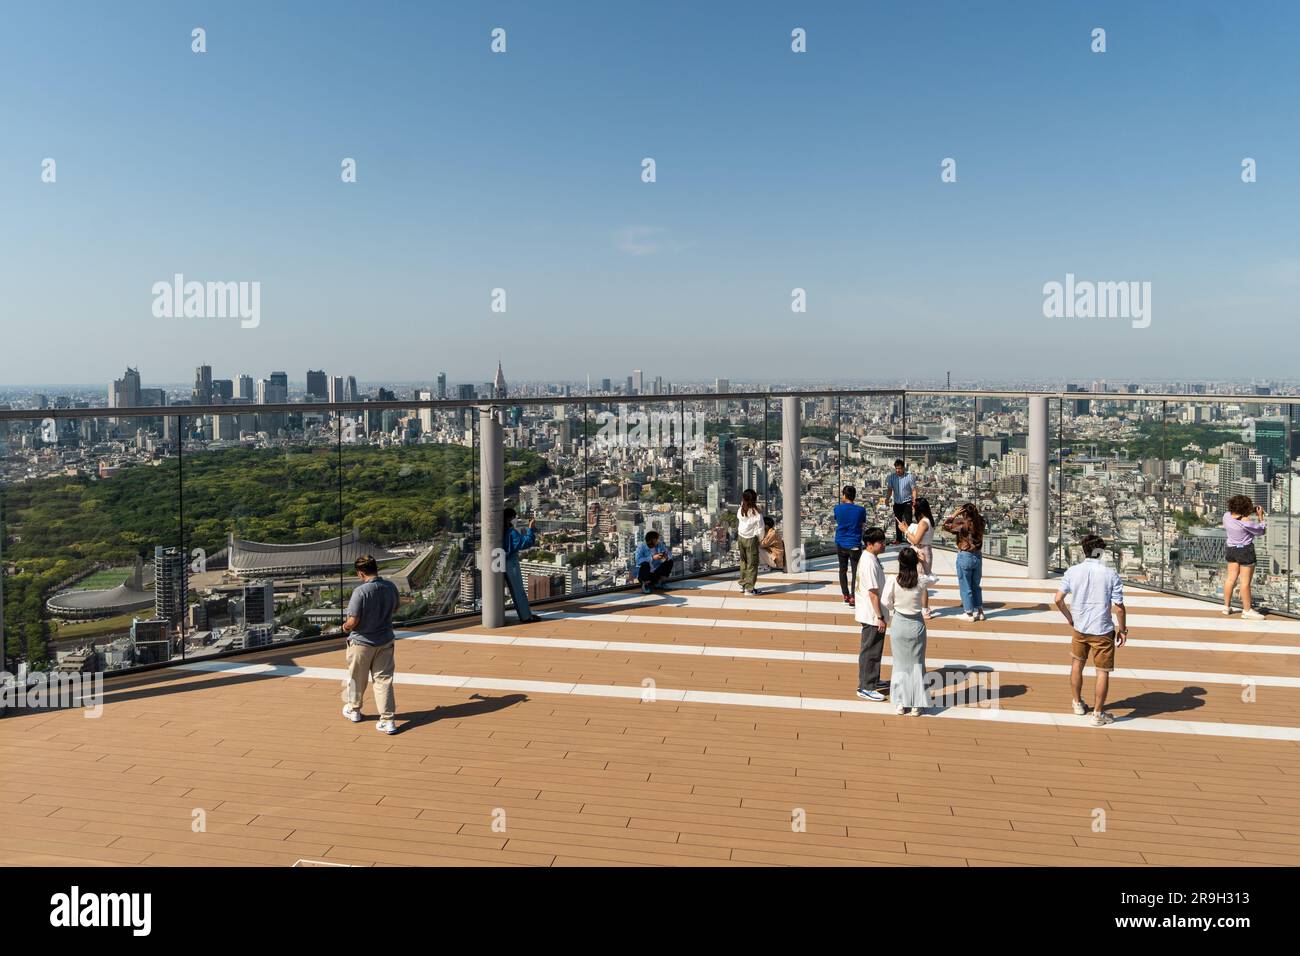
(791, 428)
(491, 559)
(1039, 465)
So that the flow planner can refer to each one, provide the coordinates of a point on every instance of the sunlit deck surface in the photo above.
(531, 745)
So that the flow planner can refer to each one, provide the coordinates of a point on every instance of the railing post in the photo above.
(790, 478)
(491, 502)
(1038, 477)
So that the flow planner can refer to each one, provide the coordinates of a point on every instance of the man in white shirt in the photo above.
(1096, 590)
(868, 612)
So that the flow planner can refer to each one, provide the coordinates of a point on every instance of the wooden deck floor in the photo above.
(534, 746)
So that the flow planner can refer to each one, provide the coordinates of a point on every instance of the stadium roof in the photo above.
(257, 558)
(99, 603)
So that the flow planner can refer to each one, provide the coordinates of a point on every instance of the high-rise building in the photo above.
(336, 388)
(499, 383)
(202, 392)
(722, 387)
(244, 388)
(259, 602)
(125, 391)
(442, 385)
(317, 387)
(170, 585)
(1270, 441)
(638, 383)
(223, 390)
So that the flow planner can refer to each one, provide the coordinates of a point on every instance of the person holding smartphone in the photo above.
(513, 542)
(1242, 532)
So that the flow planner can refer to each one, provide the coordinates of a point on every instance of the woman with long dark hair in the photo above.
(968, 526)
(1242, 532)
(902, 602)
(749, 531)
(920, 535)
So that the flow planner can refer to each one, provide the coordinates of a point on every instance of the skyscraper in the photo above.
(638, 383)
(499, 383)
(244, 388)
(1270, 441)
(202, 392)
(317, 386)
(442, 385)
(125, 391)
(170, 585)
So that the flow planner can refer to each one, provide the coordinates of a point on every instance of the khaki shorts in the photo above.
(1101, 645)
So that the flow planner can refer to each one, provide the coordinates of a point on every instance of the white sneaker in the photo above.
(386, 727)
(979, 615)
(1078, 707)
(1100, 718)
(914, 712)
(1226, 611)
(352, 715)
(900, 710)
(1250, 614)
(968, 615)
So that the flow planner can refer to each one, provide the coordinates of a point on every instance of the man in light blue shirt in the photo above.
(901, 487)
(653, 563)
(1096, 591)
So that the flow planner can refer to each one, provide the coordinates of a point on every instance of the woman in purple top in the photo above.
(1242, 533)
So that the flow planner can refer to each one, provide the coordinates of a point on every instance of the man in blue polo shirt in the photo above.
(901, 485)
(849, 520)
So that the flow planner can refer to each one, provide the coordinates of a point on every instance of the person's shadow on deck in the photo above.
(476, 706)
(1159, 702)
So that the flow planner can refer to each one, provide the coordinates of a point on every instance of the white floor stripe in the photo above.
(995, 714)
(949, 592)
(827, 657)
(685, 598)
(937, 632)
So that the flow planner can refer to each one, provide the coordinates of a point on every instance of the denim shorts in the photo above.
(1242, 555)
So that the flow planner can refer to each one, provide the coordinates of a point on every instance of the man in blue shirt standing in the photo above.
(653, 563)
(902, 491)
(513, 542)
(369, 627)
(1097, 591)
(849, 520)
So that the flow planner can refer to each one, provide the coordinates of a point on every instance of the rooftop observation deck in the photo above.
(754, 718)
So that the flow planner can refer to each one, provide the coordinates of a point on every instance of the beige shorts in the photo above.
(1102, 647)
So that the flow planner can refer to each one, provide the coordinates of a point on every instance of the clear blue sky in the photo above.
(775, 170)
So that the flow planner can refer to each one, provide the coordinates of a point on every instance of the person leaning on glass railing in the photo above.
(1242, 532)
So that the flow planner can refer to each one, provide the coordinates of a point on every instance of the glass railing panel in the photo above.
(867, 437)
(408, 495)
(556, 488)
(270, 557)
(86, 503)
(1000, 484)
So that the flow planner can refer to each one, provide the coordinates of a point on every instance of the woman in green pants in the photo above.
(749, 530)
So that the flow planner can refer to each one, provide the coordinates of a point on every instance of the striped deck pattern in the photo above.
(536, 745)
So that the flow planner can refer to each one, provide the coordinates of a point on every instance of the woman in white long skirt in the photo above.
(902, 601)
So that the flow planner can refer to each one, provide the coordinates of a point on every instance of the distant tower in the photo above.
(499, 383)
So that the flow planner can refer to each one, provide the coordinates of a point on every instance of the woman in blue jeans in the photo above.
(968, 525)
(514, 541)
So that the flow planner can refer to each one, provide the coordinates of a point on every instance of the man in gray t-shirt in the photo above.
(369, 627)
